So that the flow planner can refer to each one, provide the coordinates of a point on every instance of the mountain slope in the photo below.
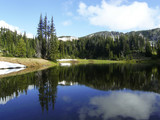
(106, 34)
(151, 35)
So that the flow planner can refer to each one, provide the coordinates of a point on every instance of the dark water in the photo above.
(86, 92)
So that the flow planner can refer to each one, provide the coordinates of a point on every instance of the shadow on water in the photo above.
(102, 77)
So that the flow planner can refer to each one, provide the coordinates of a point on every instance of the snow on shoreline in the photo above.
(65, 60)
(7, 67)
(60, 60)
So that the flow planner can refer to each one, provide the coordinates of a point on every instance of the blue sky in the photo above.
(81, 17)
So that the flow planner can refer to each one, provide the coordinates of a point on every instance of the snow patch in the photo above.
(60, 60)
(67, 38)
(5, 65)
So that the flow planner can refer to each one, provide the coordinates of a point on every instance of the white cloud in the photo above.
(116, 15)
(3, 24)
(67, 23)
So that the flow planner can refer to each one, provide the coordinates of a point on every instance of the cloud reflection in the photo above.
(124, 104)
(66, 99)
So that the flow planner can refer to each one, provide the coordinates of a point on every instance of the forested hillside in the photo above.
(101, 45)
(14, 45)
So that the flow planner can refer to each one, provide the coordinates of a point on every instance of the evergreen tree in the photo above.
(21, 48)
(107, 50)
(158, 48)
(40, 38)
(53, 49)
(148, 49)
(48, 39)
(61, 49)
(44, 40)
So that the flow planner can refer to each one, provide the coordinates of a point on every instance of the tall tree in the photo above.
(158, 48)
(48, 39)
(148, 49)
(53, 49)
(44, 40)
(21, 48)
(40, 37)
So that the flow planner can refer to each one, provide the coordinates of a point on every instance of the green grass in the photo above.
(151, 61)
(94, 61)
(105, 61)
(30, 62)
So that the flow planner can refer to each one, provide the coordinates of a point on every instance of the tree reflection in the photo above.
(102, 77)
(113, 77)
(45, 81)
(47, 86)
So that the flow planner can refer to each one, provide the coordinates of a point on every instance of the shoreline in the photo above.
(94, 61)
(37, 64)
(32, 65)
(29, 62)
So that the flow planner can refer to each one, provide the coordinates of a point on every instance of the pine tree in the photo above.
(61, 47)
(148, 49)
(53, 52)
(53, 49)
(40, 37)
(44, 40)
(21, 48)
(158, 48)
(48, 39)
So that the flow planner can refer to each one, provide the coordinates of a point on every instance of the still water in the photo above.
(83, 92)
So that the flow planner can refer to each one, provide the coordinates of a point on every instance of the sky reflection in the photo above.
(122, 104)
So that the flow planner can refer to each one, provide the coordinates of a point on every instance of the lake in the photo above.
(83, 92)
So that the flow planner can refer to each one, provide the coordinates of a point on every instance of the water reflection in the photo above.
(7, 98)
(65, 83)
(123, 105)
(7, 71)
(101, 77)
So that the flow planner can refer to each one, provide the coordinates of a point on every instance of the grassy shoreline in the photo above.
(94, 61)
(33, 64)
(30, 62)
(83, 61)
(36, 64)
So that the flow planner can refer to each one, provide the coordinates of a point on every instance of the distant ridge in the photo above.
(151, 35)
